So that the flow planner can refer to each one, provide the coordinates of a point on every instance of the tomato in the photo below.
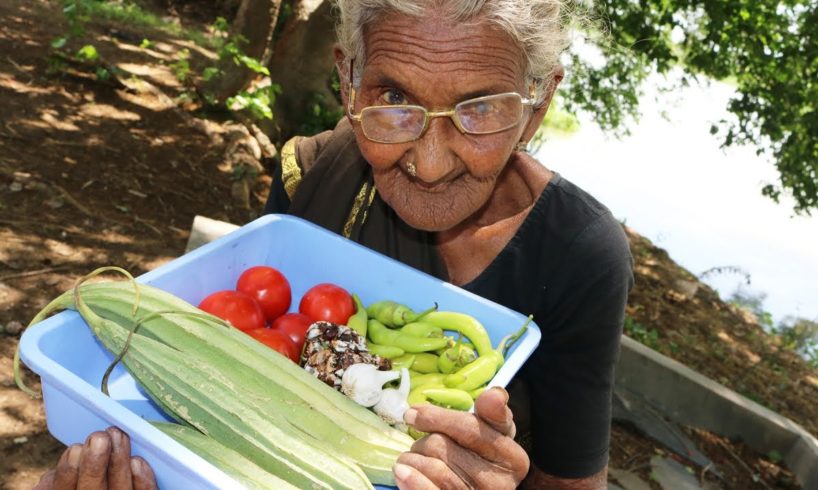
(295, 325)
(269, 287)
(327, 302)
(276, 340)
(238, 309)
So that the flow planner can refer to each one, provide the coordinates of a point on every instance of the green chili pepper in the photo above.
(385, 351)
(441, 396)
(509, 340)
(449, 398)
(464, 324)
(394, 314)
(473, 375)
(425, 363)
(476, 393)
(416, 434)
(419, 379)
(480, 371)
(455, 357)
(404, 361)
(358, 320)
(420, 329)
(417, 396)
(382, 335)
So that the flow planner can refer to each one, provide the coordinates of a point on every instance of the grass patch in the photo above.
(641, 333)
(131, 14)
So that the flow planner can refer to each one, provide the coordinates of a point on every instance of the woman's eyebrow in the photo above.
(477, 93)
(384, 80)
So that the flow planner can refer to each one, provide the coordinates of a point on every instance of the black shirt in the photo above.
(569, 264)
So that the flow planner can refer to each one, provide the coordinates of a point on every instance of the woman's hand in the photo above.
(104, 462)
(464, 450)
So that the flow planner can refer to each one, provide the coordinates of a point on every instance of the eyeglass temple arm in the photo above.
(351, 99)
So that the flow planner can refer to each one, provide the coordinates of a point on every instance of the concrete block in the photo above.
(692, 399)
(205, 230)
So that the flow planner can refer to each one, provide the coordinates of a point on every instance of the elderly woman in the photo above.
(429, 167)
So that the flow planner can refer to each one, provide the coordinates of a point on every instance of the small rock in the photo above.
(671, 474)
(13, 327)
(37, 186)
(20, 440)
(687, 288)
(22, 176)
(15, 187)
(55, 202)
(628, 480)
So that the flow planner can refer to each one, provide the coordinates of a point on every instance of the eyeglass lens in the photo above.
(483, 115)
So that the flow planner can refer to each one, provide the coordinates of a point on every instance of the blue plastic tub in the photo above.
(71, 362)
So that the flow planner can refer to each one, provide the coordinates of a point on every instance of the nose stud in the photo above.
(411, 170)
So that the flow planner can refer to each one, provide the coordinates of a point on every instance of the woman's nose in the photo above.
(434, 158)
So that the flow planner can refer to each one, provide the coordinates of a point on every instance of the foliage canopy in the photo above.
(768, 49)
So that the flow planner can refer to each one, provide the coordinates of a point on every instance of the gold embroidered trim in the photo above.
(357, 204)
(372, 191)
(290, 171)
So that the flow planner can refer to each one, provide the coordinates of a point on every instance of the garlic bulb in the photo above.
(394, 403)
(364, 383)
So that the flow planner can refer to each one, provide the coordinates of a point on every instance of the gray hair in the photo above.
(538, 26)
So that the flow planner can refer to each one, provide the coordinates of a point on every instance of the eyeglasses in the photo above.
(405, 123)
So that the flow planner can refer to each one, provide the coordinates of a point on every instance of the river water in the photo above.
(671, 182)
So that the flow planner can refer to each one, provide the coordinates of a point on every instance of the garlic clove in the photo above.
(393, 403)
(363, 383)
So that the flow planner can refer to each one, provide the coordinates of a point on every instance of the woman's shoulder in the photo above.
(301, 156)
(300, 153)
(571, 224)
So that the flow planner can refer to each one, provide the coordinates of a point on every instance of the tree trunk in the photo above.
(302, 63)
(255, 21)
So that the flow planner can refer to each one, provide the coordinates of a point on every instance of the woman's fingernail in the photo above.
(116, 437)
(74, 456)
(503, 391)
(410, 415)
(136, 466)
(97, 444)
(402, 471)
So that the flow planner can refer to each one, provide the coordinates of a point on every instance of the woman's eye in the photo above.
(393, 97)
(483, 108)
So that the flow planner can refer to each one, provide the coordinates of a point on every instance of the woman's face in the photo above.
(436, 64)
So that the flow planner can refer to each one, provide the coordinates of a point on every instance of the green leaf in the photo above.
(254, 65)
(59, 42)
(88, 53)
(221, 25)
(209, 73)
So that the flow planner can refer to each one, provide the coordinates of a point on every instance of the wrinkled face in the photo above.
(436, 64)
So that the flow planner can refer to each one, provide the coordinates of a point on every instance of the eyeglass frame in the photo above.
(429, 115)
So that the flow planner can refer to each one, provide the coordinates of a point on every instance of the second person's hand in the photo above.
(104, 462)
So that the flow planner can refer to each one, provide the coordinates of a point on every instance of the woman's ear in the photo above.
(342, 65)
(539, 112)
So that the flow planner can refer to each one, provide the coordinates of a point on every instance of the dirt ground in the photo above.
(93, 173)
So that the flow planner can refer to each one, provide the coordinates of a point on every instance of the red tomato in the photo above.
(267, 286)
(295, 325)
(236, 308)
(327, 302)
(276, 340)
